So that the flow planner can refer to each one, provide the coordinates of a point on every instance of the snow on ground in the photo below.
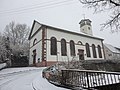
(2, 65)
(14, 70)
(25, 78)
(40, 83)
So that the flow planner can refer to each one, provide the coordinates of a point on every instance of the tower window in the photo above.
(88, 23)
(82, 24)
(89, 28)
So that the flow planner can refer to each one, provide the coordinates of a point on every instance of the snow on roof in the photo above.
(112, 48)
(63, 30)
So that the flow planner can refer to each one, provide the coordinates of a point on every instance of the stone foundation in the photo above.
(45, 64)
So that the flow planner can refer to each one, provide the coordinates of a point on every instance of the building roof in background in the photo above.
(117, 48)
(112, 48)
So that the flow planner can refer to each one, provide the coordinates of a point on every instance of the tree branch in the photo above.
(116, 4)
(115, 17)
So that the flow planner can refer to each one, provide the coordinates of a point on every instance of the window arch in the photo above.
(72, 48)
(63, 47)
(87, 50)
(53, 41)
(35, 41)
(94, 51)
(99, 51)
(80, 43)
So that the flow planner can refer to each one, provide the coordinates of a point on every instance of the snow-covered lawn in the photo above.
(25, 78)
(2, 65)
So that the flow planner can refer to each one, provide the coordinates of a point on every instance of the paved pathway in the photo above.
(26, 80)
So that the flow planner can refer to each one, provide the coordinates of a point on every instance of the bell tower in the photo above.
(85, 27)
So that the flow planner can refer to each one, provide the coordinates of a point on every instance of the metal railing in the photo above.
(89, 78)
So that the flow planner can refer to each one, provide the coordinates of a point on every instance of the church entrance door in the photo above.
(34, 56)
(81, 54)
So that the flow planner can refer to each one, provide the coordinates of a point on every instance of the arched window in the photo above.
(35, 41)
(87, 50)
(94, 51)
(53, 46)
(99, 51)
(72, 48)
(63, 47)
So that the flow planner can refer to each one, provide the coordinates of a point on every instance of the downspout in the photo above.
(103, 50)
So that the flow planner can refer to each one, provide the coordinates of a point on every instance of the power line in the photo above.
(45, 4)
(33, 5)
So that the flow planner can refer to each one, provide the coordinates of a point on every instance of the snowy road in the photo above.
(25, 79)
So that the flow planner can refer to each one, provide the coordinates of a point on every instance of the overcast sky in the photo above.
(59, 13)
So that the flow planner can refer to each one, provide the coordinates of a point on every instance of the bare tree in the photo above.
(106, 5)
(18, 36)
(3, 50)
(17, 33)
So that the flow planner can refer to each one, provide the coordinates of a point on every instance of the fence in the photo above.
(91, 79)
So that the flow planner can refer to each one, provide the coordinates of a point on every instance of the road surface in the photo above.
(30, 79)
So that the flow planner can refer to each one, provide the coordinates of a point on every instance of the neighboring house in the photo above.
(111, 52)
(117, 48)
(49, 44)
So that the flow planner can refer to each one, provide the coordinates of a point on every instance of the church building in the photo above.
(49, 45)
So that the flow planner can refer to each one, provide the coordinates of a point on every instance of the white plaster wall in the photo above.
(68, 36)
(36, 27)
(38, 36)
(85, 29)
(37, 46)
(38, 52)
